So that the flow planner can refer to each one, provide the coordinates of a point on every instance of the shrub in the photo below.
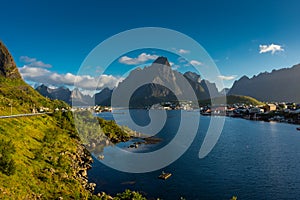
(129, 195)
(7, 164)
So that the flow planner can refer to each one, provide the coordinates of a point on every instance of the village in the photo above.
(278, 112)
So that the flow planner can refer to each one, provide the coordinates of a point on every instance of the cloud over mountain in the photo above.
(227, 78)
(195, 63)
(42, 75)
(142, 58)
(270, 48)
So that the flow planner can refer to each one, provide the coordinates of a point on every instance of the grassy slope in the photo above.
(40, 156)
(234, 99)
(22, 97)
(38, 142)
(40, 169)
(45, 148)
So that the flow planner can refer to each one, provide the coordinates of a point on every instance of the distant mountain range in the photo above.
(146, 95)
(75, 97)
(279, 85)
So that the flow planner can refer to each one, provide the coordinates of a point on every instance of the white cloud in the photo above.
(142, 58)
(27, 59)
(41, 75)
(195, 63)
(33, 62)
(183, 51)
(227, 78)
(270, 48)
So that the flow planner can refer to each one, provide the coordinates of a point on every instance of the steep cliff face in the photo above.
(8, 68)
(278, 85)
(159, 75)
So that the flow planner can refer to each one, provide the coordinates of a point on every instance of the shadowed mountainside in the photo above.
(279, 85)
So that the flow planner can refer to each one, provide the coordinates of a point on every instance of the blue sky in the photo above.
(242, 37)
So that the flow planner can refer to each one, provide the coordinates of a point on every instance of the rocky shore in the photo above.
(82, 163)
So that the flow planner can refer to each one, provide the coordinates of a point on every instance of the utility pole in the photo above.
(10, 107)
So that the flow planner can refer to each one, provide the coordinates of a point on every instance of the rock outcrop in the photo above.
(82, 163)
(8, 68)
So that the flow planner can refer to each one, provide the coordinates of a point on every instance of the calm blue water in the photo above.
(252, 160)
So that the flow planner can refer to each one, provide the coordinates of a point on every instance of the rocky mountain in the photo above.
(158, 75)
(225, 91)
(60, 93)
(278, 85)
(203, 88)
(8, 68)
(74, 97)
(79, 99)
(103, 98)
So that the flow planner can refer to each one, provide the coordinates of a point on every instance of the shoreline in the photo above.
(248, 117)
(85, 159)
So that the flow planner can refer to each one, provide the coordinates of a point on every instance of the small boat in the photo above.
(298, 128)
(101, 157)
(164, 175)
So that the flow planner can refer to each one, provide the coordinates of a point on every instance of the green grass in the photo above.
(40, 167)
(43, 148)
(22, 98)
(36, 144)
(233, 99)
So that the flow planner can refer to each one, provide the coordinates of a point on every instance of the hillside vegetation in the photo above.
(41, 157)
(16, 94)
(233, 99)
(39, 167)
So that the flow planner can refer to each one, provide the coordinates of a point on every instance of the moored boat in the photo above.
(164, 175)
(101, 157)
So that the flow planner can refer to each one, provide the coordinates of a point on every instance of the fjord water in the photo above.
(251, 160)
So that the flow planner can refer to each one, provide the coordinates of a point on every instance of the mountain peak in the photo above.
(8, 67)
(162, 60)
(244, 78)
